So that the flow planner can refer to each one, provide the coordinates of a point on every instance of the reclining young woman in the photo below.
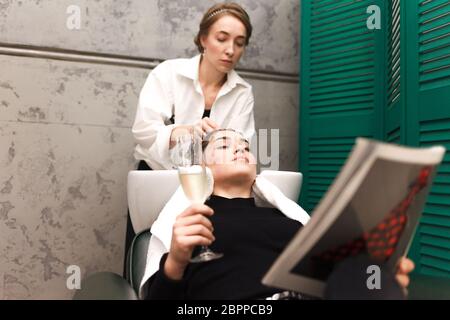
(250, 237)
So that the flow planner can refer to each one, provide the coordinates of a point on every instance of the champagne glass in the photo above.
(187, 156)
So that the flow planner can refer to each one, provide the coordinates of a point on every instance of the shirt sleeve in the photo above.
(160, 287)
(244, 121)
(151, 128)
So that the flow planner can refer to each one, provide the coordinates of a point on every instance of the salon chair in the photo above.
(148, 192)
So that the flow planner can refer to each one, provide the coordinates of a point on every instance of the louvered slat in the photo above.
(431, 5)
(366, 78)
(394, 136)
(341, 88)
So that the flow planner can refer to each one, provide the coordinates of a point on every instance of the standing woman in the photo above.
(204, 91)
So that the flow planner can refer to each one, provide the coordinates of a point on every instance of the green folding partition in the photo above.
(392, 84)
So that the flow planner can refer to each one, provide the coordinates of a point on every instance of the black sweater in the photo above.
(250, 237)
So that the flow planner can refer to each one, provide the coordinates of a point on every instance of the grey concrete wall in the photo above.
(155, 28)
(65, 140)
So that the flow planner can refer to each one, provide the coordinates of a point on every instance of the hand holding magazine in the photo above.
(373, 207)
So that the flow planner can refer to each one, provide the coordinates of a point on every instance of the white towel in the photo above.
(265, 193)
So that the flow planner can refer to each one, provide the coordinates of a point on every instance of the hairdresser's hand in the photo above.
(405, 266)
(192, 228)
(182, 130)
(207, 125)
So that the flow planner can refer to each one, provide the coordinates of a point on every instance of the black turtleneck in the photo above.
(250, 237)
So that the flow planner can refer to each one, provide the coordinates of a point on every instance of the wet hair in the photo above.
(207, 139)
(215, 13)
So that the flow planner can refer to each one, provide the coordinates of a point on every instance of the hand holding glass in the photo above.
(187, 156)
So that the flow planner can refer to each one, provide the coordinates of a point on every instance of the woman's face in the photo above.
(225, 43)
(228, 156)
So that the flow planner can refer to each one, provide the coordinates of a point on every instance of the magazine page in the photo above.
(369, 191)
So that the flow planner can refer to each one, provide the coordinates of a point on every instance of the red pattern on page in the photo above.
(380, 242)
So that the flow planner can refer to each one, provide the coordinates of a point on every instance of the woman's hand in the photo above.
(405, 266)
(180, 131)
(207, 125)
(192, 228)
(202, 127)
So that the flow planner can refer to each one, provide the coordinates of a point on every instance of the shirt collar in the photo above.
(191, 67)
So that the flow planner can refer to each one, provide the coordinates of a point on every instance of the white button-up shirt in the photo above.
(173, 89)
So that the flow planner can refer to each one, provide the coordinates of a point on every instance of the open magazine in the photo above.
(373, 207)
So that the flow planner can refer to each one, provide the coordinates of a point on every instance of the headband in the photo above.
(216, 12)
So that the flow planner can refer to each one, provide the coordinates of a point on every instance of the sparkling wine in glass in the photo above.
(193, 179)
(194, 182)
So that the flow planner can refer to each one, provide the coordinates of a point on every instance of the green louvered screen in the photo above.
(341, 74)
(428, 98)
(392, 84)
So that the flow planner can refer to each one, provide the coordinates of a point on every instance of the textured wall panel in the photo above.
(150, 28)
(66, 148)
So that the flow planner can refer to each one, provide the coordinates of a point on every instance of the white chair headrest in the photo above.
(149, 191)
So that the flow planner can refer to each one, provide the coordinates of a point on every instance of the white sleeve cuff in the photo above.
(162, 145)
